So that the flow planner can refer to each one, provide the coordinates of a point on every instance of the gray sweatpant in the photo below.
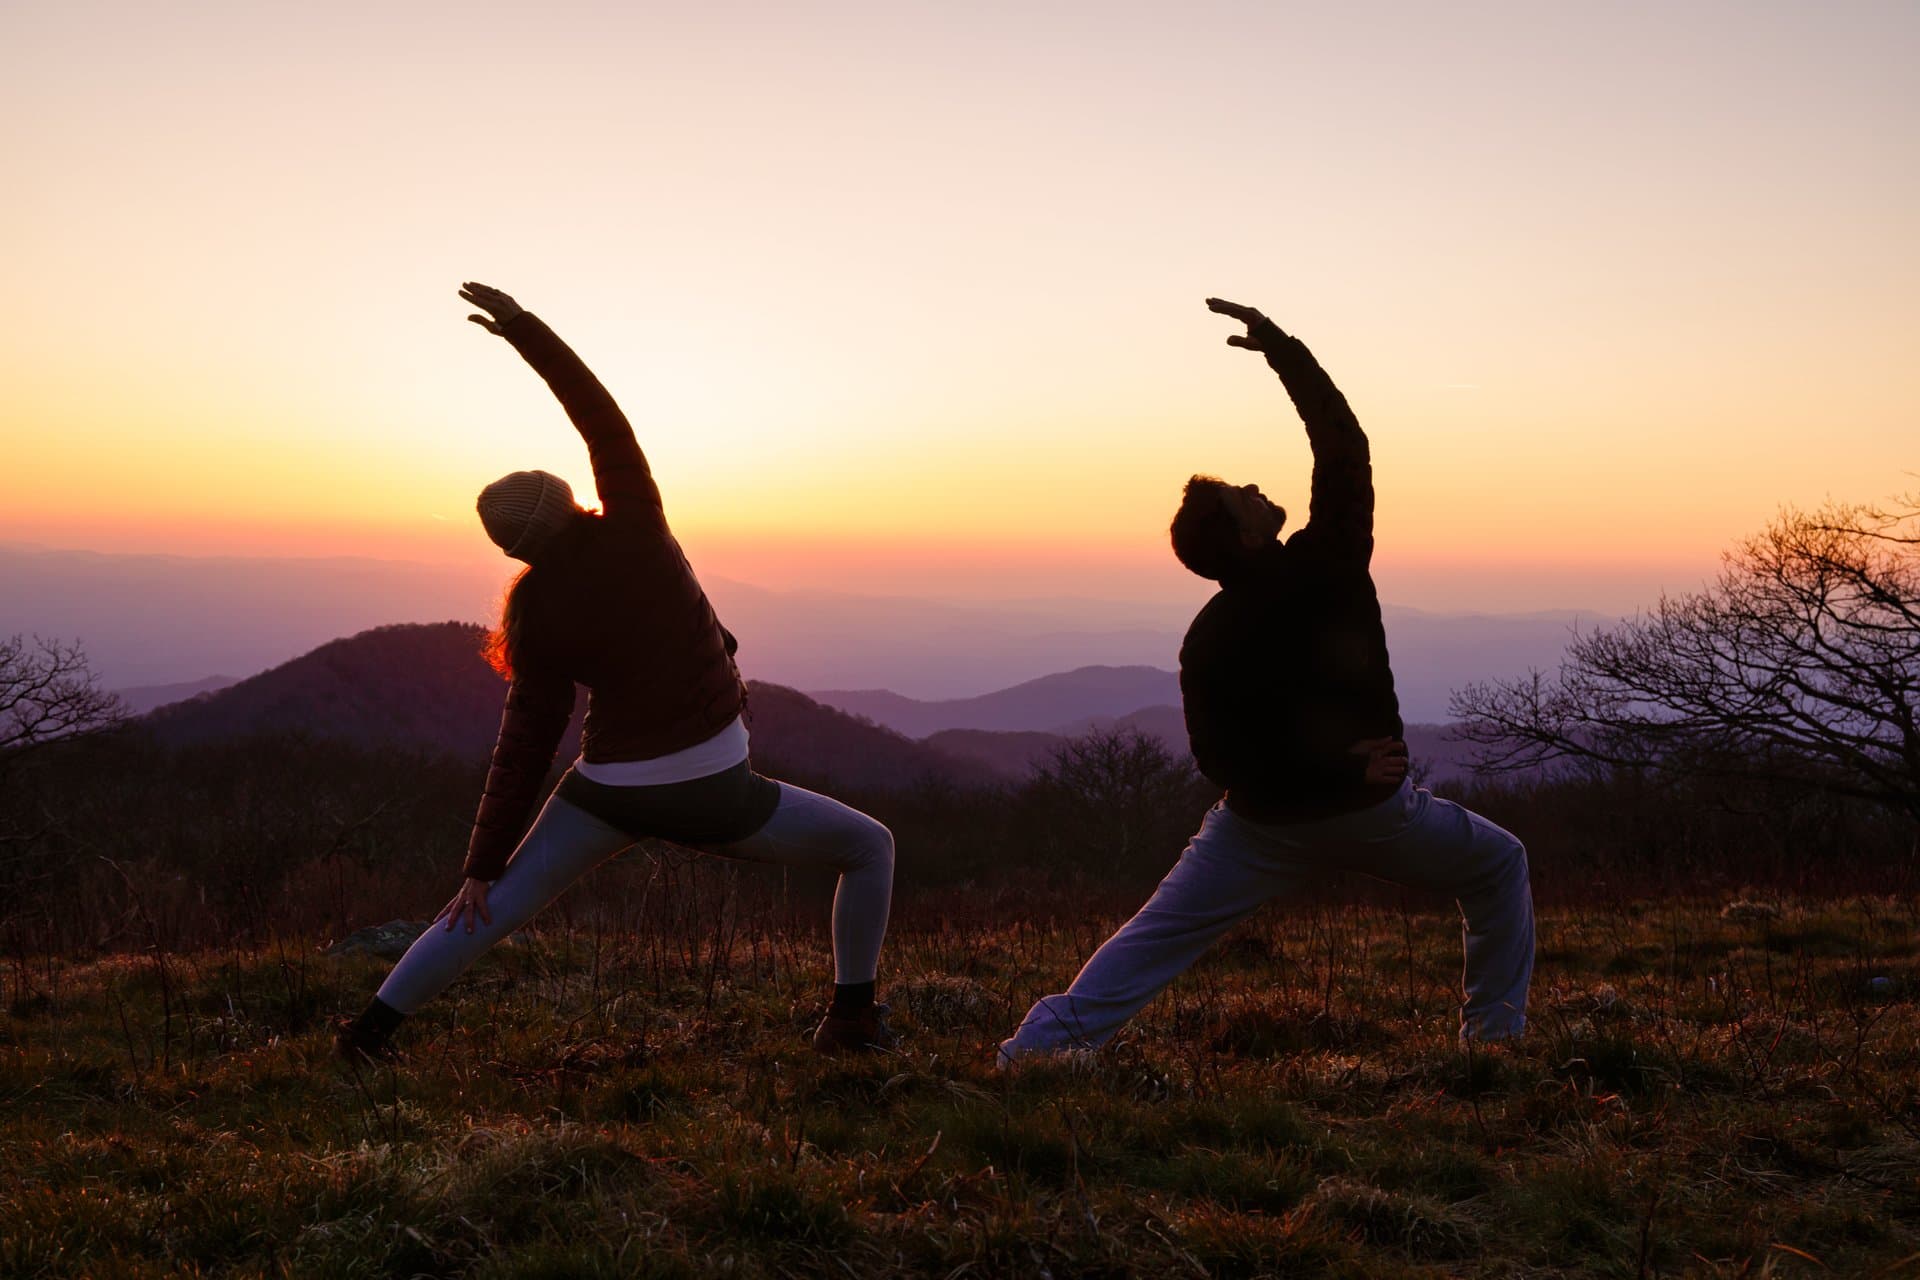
(1232, 865)
(565, 842)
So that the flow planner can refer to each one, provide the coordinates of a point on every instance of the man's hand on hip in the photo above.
(1386, 759)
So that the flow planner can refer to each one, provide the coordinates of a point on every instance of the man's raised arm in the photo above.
(620, 471)
(1341, 511)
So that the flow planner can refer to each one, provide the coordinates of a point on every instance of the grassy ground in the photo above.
(1701, 1095)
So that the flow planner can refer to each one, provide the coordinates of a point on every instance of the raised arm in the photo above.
(620, 471)
(1341, 511)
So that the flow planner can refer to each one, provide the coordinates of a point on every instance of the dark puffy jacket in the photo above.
(1286, 667)
(657, 664)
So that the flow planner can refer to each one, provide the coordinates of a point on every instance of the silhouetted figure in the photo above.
(1290, 708)
(609, 601)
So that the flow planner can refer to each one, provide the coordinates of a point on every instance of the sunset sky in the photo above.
(907, 298)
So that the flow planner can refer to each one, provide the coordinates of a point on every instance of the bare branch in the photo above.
(1801, 662)
(49, 693)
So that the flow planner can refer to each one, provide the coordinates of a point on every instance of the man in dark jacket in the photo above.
(1290, 708)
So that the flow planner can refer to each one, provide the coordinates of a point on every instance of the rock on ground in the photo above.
(388, 941)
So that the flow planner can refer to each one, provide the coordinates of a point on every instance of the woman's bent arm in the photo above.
(530, 727)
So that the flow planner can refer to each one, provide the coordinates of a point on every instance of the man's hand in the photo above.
(501, 307)
(1259, 328)
(471, 901)
(1386, 759)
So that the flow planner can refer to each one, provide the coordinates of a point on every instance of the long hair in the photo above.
(498, 650)
(537, 593)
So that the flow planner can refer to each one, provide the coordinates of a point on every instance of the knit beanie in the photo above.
(523, 511)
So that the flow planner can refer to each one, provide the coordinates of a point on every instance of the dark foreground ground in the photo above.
(1703, 1094)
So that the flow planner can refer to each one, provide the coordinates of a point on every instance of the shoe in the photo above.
(864, 1032)
(358, 1048)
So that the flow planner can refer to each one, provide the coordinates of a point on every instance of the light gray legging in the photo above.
(566, 842)
(1233, 865)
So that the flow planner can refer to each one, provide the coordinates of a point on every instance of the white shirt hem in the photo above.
(722, 751)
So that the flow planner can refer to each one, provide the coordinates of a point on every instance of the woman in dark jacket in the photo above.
(609, 601)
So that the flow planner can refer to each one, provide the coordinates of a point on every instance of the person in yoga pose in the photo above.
(1291, 710)
(608, 601)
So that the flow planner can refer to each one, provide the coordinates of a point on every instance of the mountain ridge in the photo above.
(1042, 704)
(426, 686)
(140, 699)
(1438, 754)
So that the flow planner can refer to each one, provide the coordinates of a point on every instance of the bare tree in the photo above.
(48, 692)
(1118, 789)
(1801, 662)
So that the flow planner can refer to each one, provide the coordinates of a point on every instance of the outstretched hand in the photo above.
(1259, 328)
(1386, 759)
(500, 306)
(470, 902)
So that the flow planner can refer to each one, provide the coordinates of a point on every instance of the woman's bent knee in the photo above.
(874, 849)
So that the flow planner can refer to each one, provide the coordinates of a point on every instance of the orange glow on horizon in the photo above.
(897, 307)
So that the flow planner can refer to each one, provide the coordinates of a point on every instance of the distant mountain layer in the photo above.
(1010, 755)
(1044, 705)
(1167, 723)
(794, 734)
(1437, 755)
(159, 619)
(152, 619)
(426, 686)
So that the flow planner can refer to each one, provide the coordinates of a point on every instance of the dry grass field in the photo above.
(1709, 1089)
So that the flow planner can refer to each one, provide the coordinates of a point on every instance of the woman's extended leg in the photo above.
(564, 843)
(811, 830)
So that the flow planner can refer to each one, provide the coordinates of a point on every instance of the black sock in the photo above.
(378, 1021)
(851, 998)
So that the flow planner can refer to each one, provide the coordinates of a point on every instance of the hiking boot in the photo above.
(358, 1047)
(863, 1032)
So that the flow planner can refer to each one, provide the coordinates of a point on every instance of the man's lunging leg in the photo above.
(1448, 847)
(1220, 879)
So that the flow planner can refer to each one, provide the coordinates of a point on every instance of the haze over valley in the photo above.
(156, 620)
